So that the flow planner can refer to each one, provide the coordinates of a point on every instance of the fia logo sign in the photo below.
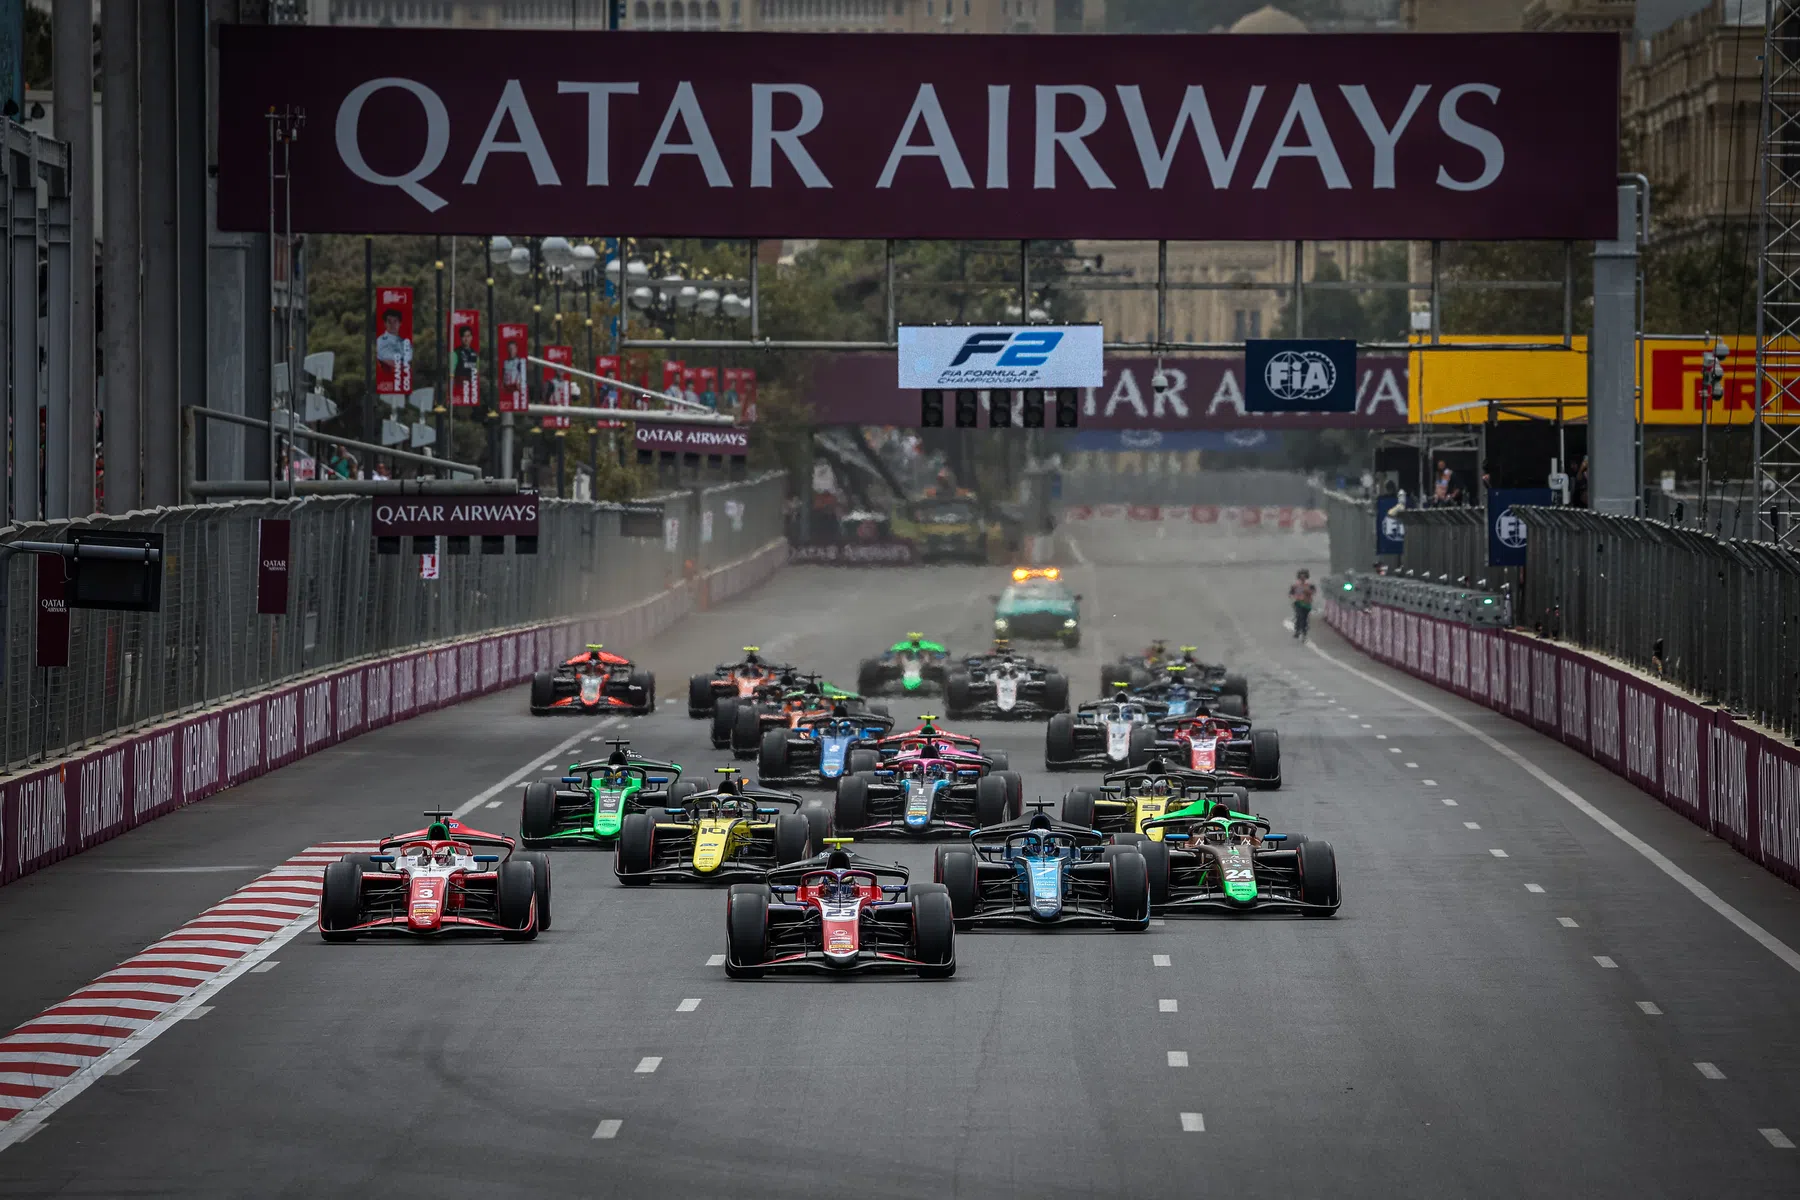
(1300, 376)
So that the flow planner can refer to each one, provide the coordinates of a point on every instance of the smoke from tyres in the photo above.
(1313, 376)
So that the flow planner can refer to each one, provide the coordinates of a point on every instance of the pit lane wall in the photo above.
(1726, 776)
(75, 803)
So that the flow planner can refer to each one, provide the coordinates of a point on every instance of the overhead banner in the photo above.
(1361, 135)
(465, 358)
(1001, 356)
(694, 439)
(1299, 375)
(514, 383)
(456, 516)
(393, 341)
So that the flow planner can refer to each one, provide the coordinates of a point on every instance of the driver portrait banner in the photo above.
(1410, 136)
(465, 358)
(514, 384)
(393, 341)
(558, 391)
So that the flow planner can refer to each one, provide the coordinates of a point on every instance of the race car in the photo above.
(587, 806)
(949, 529)
(1006, 687)
(754, 716)
(819, 750)
(1156, 666)
(1036, 871)
(913, 665)
(1219, 859)
(593, 682)
(935, 790)
(443, 880)
(1037, 605)
(740, 678)
(1176, 696)
(927, 733)
(1222, 745)
(1100, 733)
(1127, 801)
(839, 913)
(732, 832)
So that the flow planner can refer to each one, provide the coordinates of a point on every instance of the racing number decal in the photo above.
(1239, 875)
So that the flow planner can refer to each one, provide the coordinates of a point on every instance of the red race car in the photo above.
(592, 682)
(839, 913)
(445, 879)
(728, 681)
(1224, 746)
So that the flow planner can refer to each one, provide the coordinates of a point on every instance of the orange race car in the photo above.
(594, 681)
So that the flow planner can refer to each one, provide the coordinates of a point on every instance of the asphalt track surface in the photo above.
(1453, 1032)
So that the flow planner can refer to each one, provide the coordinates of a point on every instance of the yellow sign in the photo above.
(1454, 386)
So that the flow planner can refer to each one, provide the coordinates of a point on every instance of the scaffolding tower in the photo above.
(1776, 444)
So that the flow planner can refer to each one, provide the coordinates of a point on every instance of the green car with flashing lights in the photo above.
(1038, 606)
(587, 806)
(1208, 856)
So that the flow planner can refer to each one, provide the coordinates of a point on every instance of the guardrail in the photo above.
(207, 644)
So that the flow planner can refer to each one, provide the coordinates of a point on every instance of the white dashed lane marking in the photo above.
(1391, 749)
(1166, 1006)
(608, 1129)
(1449, 802)
(263, 968)
(688, 1005)
(1649, 1008)
(1429, 782)
(1606, 962)
(717, 960)
(1380, 737)
(495, 803)
(1470, 825)
(1178, 1058)
(123, 1067)
(647, 1066)
(1777, 1139)
(199, 1011)
(1412, 766)
(1567, 922)
(1536, 888)
(1159, 960)
(1498, 853)
(1193, 1123)
(1709, 1071)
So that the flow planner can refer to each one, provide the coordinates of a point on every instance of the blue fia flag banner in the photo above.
(1315, 375)
(1506, 532)
(1390, 534)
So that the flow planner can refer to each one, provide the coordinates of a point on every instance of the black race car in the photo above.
(1003, 687)
(1101, 733)
(1156, 667)
(914, 665)
(594, 682)
(1039, 871)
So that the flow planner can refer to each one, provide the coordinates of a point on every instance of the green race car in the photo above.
(1211, 857)
(913, 664)
(1039, 606)
(587, 806)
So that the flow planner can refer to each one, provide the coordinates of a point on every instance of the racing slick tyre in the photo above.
(1059, 741)
(1265, 756)
(1015, 793)
(700, 697)
(1318, 878)
(934, 930)
(746, 930)
(746, 731)
(537, 816)
(958, 869)
(540, 868)
(1156, 862)
(1056, 692)
(1232, 705)
(868, 676)
(999, 760)
(724, 715)
(851, 811)
(862, 760)
(514, 891)
(793, 838)
(679, 791)
(340, 904)
(632, 853)
(1071, 639)
(1078, 808)
(1130, 892)
(772, 755)
(992, 800)
(543, 691)
(956, 694)
(1240, 798)
(1143, 744)
(1138, 678)
(879, 708)
(646, 681)
(1237, 685)
(818, 819)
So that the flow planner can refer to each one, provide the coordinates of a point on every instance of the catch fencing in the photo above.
(208, 644)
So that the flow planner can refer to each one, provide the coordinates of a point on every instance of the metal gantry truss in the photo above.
(1776, 444)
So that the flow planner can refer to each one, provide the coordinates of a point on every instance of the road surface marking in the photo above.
(647, 1066)
(263, 968)
(688, 1005)
(1649, 1008)
(1657, 858)
(1367, 726)
(198, 1011)
(1535, 887)
(1606, 962)
(717, 960)
(1498, 853)
(495, 803)
(132, 1062)
(1165, 1006)
(1178, 1058)
(179, 870)
(1193, 1123)
(1391, 749)
(608, 1128)
(1567, 922)
(1412, 766)
(476, 801)
(1777, 1139)
(1158, 921)
(1429, 782)
(1159, 960)
(1381, 737)
(1448, 801)
(1709, 1071)
(1470, 825)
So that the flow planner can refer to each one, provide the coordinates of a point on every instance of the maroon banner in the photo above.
(465, 358)
(393, 341)
(52, 612)
(693, 439)
(895, 553)
(513, 381)
(272, 541)
(1202, 393)
(453, 516)
(1364, 135)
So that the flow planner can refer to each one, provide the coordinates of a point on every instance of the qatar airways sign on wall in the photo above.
(890, 135)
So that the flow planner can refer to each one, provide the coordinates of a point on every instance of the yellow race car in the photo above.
(731, 833)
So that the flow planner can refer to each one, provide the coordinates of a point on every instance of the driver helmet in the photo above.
(836, 887)
(617, 777)
(423, 856)
(728, 788)
(446, 856)
(1160, 787)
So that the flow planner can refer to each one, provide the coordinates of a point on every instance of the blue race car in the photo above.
(821, 750)
(1039, 871)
